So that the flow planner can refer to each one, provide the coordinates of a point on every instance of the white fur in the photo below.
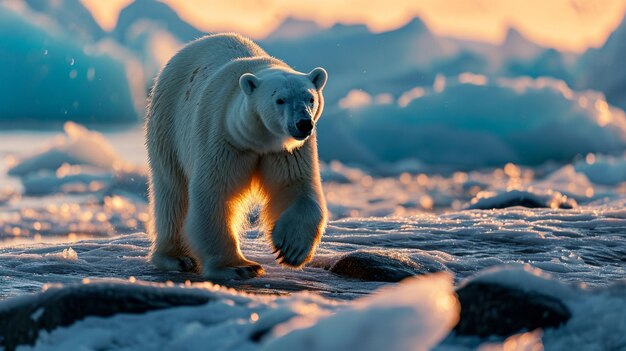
(217, 136)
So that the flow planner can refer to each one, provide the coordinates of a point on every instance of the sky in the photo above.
(572, 25)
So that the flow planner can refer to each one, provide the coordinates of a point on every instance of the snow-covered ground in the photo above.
(67, 217)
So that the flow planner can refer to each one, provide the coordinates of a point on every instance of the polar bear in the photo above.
(227, 123)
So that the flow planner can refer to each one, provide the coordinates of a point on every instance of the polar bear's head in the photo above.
(289, 103)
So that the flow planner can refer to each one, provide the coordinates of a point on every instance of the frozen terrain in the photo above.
(485, 178)
(67, 217)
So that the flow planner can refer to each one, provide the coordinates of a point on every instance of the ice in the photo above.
(152, 44)
(72, 15)
(294, 28)
(335, 48)
(543, 121)
(603, 169)
(157, 12)
(598, 67)
(44, 58)
(549, 63)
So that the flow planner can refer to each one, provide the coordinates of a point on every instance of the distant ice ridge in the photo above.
(472, 121)
(599, 68)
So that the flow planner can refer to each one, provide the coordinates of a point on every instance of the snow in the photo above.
(83, 235)
(527, 278)
(292, 321)
(415, 315)
(581, 245)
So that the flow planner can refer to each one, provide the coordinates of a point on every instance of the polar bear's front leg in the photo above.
(295, 214)
(212, 220)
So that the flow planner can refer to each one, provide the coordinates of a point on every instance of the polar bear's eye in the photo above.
(280, 101)
(312, 100)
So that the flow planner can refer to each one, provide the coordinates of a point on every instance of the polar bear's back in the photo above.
(218, 50)
(209, 53)
(195, 64)
(179, 87)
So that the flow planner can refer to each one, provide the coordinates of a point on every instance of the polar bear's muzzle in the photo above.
(305, 126)
(302, 129)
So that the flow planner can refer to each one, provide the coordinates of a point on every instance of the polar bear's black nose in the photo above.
(305, 126)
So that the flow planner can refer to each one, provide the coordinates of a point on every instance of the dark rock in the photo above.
(22, 319)
(377, 266)
(493, 309)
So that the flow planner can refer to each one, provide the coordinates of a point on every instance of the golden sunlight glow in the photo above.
(106, 12)
(565, 24)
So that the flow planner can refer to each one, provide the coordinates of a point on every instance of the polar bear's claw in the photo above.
(292, 256)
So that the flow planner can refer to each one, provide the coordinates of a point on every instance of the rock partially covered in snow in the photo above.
(512, 298)
(78, 146)
(23, 319)
(492, 200)
(494, 309)
(379, 266)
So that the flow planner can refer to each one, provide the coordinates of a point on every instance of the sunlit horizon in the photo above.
(563, 24)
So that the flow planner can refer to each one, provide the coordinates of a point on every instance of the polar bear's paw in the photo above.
(292, 252)
(293, 247)
(167, 263)
(246, 270)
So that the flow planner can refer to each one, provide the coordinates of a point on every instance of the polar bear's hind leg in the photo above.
(168, 208)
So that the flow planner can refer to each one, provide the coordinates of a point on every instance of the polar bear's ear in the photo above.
(248, 83)
(318, 77)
